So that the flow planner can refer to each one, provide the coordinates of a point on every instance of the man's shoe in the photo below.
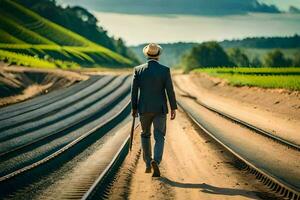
(156, 172)
(148, 170)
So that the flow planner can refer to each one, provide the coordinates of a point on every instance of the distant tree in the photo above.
(122, 49)
(296, 60)
(262, 7)
(277, 59)
(294, 9)
(264, 42)
(207, 54)
(188, 62)
(238, 57)
(256, 62)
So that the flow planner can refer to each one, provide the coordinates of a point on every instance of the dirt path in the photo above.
(193, 167)
(252, 105)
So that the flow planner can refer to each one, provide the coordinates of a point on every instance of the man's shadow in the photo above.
(206, 188)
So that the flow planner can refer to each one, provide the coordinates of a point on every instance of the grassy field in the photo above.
(288, 78)
(23, 32)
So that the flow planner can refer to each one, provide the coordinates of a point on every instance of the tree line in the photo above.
(264, 42)
(212, 54)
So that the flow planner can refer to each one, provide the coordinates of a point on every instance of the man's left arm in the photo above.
(171, 94)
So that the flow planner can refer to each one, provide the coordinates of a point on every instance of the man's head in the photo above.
(152, 51)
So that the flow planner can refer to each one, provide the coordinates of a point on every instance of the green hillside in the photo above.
(25, 32)
(80, 21)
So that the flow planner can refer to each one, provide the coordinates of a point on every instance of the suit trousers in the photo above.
(159, 128)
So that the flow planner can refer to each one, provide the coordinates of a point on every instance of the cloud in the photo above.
(198, 7)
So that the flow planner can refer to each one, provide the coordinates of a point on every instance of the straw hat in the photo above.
(152, 50)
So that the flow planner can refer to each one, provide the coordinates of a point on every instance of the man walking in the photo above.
(151, 82)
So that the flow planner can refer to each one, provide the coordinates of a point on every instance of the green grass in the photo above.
(30, 61)
(288, 78)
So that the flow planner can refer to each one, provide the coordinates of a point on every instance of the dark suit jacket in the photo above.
(151, 81)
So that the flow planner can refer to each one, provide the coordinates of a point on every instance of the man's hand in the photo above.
(173, 114)
(134, 113)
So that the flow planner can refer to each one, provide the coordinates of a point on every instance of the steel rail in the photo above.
(252, 127)
(109, 171)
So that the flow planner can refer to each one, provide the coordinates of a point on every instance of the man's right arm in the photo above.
(171, 95)
(134, 93)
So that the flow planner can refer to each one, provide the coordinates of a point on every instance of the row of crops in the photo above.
(84, 56)
(26, 60)
(288, 78)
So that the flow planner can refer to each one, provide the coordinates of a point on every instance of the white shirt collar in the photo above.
(152, 60)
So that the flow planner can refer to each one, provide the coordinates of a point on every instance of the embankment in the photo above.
(20, 83)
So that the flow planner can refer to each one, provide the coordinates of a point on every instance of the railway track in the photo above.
(97, 189)
(30, 147)
(252, 127)
(83, 125)
(279, 182)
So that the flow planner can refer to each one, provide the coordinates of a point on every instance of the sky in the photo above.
(136, 29)
(99, 5)
(214, 21)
